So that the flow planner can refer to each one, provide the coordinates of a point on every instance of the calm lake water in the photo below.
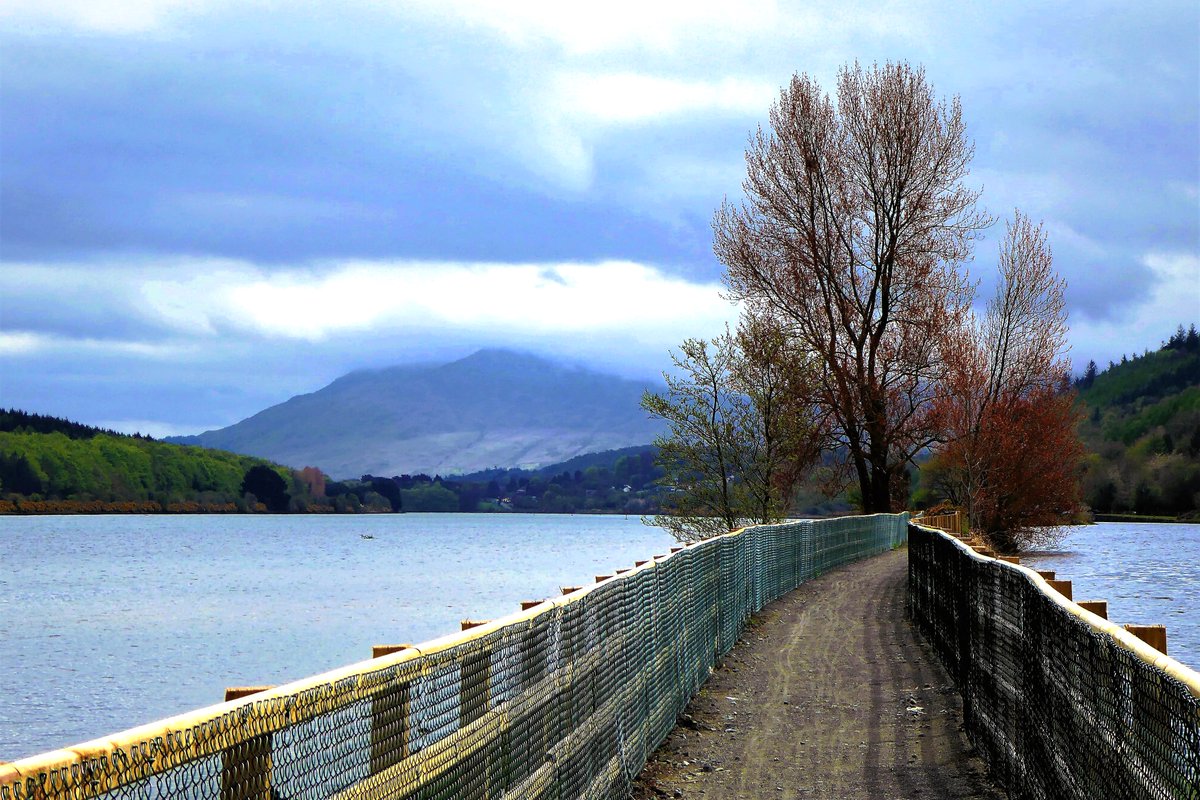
(107, 622)
(1149, 574)
(111, 622)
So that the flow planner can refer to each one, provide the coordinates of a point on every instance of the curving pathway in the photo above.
(829, 694)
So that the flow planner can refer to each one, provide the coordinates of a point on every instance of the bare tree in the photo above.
(851, 237)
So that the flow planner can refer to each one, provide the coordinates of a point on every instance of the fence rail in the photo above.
(563, 700)
(1061, 703)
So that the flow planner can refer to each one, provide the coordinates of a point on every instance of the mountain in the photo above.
(492, 408)
(1141, 422)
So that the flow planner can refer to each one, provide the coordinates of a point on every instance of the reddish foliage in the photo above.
(314, 479)
(1026, 457)
(1011, 456)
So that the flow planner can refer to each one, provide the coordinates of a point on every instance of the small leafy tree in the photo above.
(738, 439)
(266, 485)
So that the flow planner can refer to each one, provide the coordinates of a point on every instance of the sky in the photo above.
(207, 207)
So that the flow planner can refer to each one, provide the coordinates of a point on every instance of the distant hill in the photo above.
(1141, 422)
(606, 459)
(495, 408)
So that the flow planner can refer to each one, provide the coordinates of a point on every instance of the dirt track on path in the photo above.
(829, 694)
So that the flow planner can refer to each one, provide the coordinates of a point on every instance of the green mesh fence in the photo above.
(564, 700)
(1060, 704)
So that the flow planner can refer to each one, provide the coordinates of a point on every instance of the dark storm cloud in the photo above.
(217, 145)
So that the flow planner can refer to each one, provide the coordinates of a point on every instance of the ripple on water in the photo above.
(1149, 574)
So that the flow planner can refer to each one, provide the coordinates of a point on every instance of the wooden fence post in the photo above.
(246, 766)
(390, 730)
(381, 650)
(1062, 587)
(475, 684)
(1153, 635)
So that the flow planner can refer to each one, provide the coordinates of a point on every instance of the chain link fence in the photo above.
(1060, 703)
(564, 700)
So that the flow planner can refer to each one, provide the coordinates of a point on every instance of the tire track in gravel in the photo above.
(829, 694)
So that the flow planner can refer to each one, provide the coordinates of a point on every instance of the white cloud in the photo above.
(631, 97)
(1062, 234)
(524, 298)
(19, 342)
(583, 28)
(29, 343)
(105, 16)
(1173, 299)
(199, 303)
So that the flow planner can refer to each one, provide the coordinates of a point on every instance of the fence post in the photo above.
(1153, 635)
(390, 735)
(1062, 587)
(475, 687)
(246, 766)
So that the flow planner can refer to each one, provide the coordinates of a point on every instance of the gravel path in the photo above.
(829, 694)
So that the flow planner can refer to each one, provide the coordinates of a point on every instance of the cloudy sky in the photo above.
(208, 206)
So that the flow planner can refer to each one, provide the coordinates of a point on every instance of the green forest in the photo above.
(1141, 426)
(50, 464)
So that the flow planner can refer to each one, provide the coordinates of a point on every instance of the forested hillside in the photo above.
(49, 464)
(1141, 424)
(52, 465)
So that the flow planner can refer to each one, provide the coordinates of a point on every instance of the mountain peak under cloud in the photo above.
(492, 408)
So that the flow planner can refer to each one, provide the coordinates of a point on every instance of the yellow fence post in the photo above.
(475, 686)
(1153, 635)
(246, 767)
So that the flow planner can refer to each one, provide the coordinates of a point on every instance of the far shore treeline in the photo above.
(55, 466)
(1139, 419)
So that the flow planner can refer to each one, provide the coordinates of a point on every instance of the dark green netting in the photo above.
(1057, 708)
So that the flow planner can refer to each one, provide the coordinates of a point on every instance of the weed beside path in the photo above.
(829, 694)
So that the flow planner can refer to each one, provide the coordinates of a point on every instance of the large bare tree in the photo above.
(852, 235)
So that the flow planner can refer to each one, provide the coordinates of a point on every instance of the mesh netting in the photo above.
(1058, 708)
(566, 700)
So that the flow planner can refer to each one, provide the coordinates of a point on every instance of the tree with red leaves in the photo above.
(1011, 455)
